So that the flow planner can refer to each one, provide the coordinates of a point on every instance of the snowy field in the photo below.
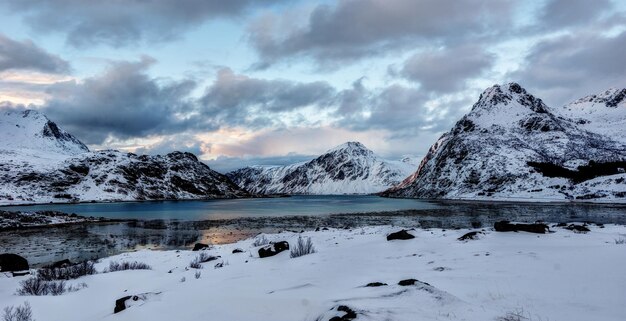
(500, 276)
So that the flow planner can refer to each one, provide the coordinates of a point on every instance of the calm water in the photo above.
(235, 208)
(178, 225)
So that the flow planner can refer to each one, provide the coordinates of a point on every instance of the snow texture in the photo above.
(558, 276)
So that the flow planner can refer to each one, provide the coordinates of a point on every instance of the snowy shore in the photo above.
(557, 276)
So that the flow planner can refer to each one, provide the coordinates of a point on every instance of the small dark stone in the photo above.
(200, 246)
(578, 228)
(12, 262)
(20, 273)
(400, 235)
(273, 249)
(407, 282)
(375, 284)
(349, 314)
(325, 229)
(60, 264)
(237, 251)
(469, 236)
(506, 226)
(120, 304)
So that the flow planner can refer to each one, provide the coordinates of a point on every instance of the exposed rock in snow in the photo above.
(40, 163)
(349, 168)
(512, 146)
(603, 113)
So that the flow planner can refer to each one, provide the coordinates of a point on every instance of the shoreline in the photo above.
(509, 200)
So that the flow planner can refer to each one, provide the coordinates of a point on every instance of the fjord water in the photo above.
(235, 208)
(179, 224)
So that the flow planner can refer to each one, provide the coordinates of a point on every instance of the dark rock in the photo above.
(578, 228)
(120, 304)
(400, 235)
(60, 264)
(12, 262)
(470, 236)
(200, 246)
(22, 273)
(375, 284)
(219, 265)
(273, 249)
(408, 282)
(506, 226)
(349, 314)
(237, 251)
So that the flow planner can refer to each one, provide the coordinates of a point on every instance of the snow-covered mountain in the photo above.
(603, 113)
(349, 168)
(512, 146)
(40, 163)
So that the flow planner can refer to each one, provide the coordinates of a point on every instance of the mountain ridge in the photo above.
(502, 150)
(350, 168)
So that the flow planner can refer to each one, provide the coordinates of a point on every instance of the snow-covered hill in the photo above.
(512, 146)
(349, 168)
(41, 163)
(603, 113)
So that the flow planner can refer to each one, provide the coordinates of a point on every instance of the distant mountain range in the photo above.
(41, 163)
(349, 168)
(512, 146)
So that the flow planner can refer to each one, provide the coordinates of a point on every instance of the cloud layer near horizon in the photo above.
(394, 73)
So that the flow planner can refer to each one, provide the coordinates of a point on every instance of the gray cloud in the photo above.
(25, 55)
(566, 13)
(118, 23)
(225, 164)
(399, 109)
(359, 28)
(447, 70)
(178, 142)
(123, 102)
(571, 66)
(241, 100)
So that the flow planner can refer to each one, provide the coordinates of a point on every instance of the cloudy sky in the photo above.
(240, 82)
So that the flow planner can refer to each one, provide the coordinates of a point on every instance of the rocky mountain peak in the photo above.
(351, 148)
(609, 98)
(30, 129)
(507, 94)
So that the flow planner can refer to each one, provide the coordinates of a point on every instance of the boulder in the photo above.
(506, 226)
(273, 249)
(349, 314)
(12, 262)
(400, 235)
(578, 228)
(469, 236)
(120, 304)
(200, 246)
(375, 284)
(126, 302)
(237, 251)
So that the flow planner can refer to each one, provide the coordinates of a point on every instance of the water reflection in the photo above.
(86, 241)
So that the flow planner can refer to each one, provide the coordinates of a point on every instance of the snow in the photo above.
(486, 155)
(350, 168)
(41, 163)
(557, 276)
(603, 113)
